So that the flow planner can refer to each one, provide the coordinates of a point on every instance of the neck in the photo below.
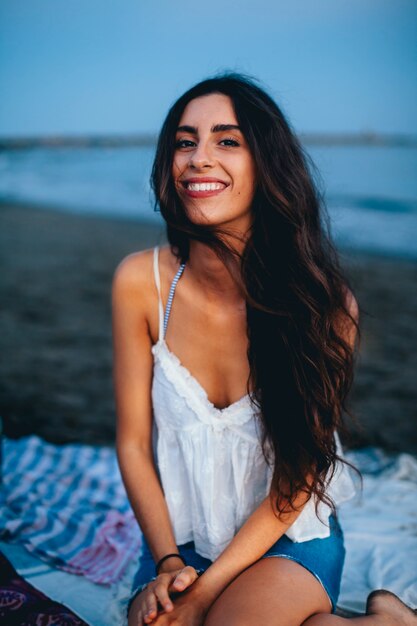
(211, 274)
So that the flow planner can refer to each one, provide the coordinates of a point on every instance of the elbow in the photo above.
(128, 448)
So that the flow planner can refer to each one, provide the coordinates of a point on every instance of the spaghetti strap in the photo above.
(163, 319)
(158, 288)
(171, 295)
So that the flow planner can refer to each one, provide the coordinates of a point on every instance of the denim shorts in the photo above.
(324, 558)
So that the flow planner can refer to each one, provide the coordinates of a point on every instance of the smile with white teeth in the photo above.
(205, 186)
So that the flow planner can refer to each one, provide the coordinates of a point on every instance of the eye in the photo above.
(184, 143)
(229, 142)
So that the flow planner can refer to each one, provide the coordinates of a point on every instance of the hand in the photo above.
(145, 606)
(189, 610)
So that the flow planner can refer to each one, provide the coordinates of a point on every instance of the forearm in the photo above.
(255, 537)
(148, 502)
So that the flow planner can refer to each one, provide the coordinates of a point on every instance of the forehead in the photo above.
(213, 108)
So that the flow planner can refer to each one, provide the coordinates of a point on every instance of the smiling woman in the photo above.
(213, 162)
(233, 360)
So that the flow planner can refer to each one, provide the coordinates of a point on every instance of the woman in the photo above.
(227, 415)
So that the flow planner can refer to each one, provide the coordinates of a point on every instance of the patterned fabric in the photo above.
(67, 505)
(210, 460)
(23, 605)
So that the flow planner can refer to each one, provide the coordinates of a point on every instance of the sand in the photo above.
(55, 342)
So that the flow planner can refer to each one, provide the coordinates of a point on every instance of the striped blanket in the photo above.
(67, 505)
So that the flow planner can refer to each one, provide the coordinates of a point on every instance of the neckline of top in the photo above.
(244, 401)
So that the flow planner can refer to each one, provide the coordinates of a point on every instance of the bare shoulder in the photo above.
(135, 300)
(135, 271)
(133, 276)
(168, 263)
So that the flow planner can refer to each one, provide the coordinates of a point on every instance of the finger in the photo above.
(148, 617)
(185, 578)
(161, 593)
(139, 617)
(151, 609)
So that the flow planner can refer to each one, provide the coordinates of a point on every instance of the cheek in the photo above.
(249, 183)
(178, 166)
(249, 176)
(175, 169)
(247, 190)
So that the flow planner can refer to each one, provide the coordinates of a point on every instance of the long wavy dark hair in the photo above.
(301, 366)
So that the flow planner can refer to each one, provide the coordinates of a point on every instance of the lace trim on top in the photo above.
(194, 394)
(194, 439)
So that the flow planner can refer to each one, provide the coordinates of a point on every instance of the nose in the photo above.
(201, 157)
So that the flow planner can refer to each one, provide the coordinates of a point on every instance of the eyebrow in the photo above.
(217, 128)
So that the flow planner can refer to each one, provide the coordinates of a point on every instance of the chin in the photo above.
(216, 215)
(208, 220)
(201, 216)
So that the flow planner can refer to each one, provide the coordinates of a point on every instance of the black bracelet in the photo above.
(143, 587)
(168, 556)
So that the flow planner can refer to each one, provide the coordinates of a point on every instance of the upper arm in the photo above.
(132, 358)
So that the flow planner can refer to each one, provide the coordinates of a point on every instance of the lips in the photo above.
(203, 187)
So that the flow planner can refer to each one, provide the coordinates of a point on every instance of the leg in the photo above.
(293, 596)
(272, 592)
(383, 608)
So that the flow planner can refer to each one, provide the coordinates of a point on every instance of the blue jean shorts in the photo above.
(324, 558)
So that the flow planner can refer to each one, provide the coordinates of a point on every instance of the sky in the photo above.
(115, 66)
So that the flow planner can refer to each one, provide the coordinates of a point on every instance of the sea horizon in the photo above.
(140, 139)
(369, 187)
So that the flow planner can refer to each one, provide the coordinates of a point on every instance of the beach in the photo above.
(55, 370)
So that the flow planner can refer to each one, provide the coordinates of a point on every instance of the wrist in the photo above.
(203, 594)
(171, 564)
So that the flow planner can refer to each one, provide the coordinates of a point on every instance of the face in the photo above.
(213, 169)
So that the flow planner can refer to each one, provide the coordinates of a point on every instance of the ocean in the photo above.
(370, 190)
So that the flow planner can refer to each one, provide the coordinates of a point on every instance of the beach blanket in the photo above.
(380, 528)
(21, 603)
(67, 505)
(46, 488)
(98, 605)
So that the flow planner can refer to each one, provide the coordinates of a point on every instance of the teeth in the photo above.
(204, 186)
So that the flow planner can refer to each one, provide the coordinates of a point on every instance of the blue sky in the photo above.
(115, 66)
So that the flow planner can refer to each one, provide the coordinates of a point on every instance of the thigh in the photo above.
(289, 583)
(273, 592)
(324, 558)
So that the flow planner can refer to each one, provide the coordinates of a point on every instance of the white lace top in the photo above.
(210, 460)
